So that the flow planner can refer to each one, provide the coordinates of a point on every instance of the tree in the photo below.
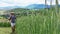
(45, 3)
(57, 6)
(51, 4)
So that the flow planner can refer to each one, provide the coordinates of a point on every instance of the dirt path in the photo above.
(5, 30)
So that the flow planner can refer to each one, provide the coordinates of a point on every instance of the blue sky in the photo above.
(4, 3)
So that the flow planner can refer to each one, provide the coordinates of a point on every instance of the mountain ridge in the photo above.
(37, 6)
(31, 6)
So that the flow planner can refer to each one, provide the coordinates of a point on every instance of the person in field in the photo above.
(12, 19)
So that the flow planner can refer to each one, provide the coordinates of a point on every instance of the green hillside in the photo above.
(42, 21)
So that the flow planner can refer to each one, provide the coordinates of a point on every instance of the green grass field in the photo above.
(5, 30)
(44, 22)
(39, 24)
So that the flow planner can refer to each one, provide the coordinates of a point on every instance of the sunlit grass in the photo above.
(40, 24)
(5, 30)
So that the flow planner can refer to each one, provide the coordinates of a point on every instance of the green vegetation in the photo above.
(41, 21)
(5, 30)
(44, 22)
(4, 24)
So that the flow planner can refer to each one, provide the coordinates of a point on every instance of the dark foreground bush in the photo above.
(4, 24)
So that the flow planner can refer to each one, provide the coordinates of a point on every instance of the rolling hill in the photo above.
(37, 6)
(32, 6)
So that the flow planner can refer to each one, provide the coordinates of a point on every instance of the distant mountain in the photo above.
(37, 6)
(32, 6)
(9, 7)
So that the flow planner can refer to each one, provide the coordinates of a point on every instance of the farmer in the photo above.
(12, 19)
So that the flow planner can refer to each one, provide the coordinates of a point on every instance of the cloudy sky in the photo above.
(4, 3)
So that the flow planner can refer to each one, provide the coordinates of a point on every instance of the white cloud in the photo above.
(59, 1)
(5, 4)
(23, 2)
(53, 2)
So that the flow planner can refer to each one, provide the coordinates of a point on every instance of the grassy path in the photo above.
(5, 30)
